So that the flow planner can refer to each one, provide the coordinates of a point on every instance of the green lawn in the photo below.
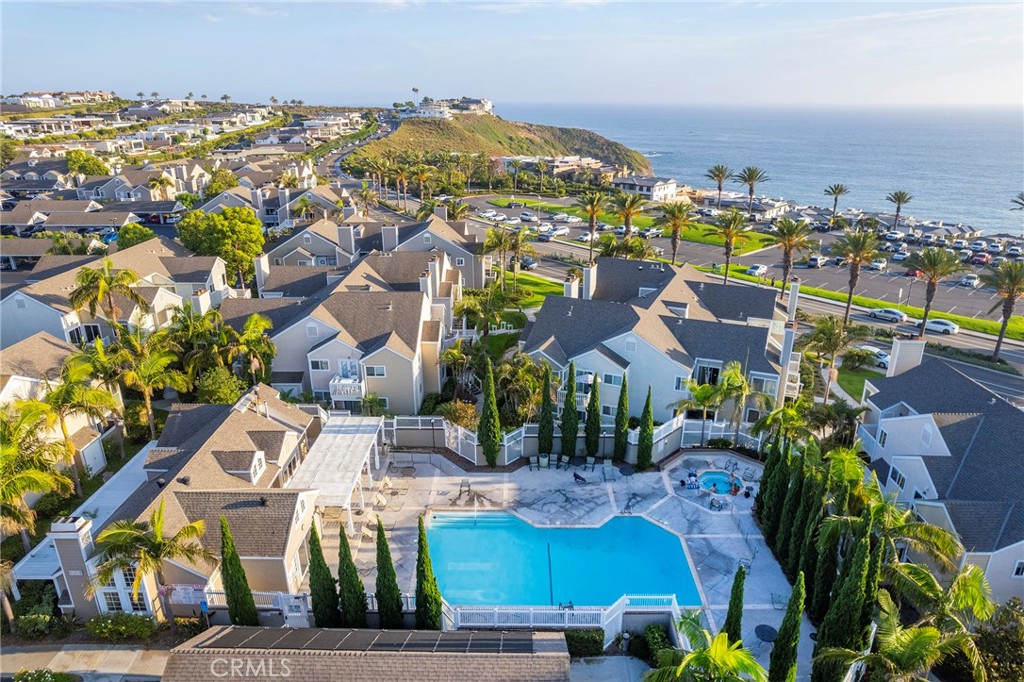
(539, 288)
(696, 234)
(852, 381)
(497, 344)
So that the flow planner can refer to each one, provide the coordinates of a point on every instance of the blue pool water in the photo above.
(719, 478)
(497, 559)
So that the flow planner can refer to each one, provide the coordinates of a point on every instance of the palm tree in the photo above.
(678, 217)
(288, 180)
(734, 385)
(751, 176)
(900, 198)
(720, 174)
(458, 360)
(486, 306)
(787, 423)
(425, 210)
(74, 393)
(831, 336)
(498, 241)
(934, 265)
(161, 183)
(518, 246)
(367, 197)
(457, 210)
(225, 98)
(711, 658)
(907, 654)
(28, 464)
(147, 368)
(254, 345)
(628, 207)
(402, 184)
(732, 226)
(1008, 281)
(6, 585)
(592, 204)
(701, 397)
(204, 96)
(542, 168)
(953, 604)
(835, 191)
(154, 94)
(859, 249)
(516, 165)
(143, 546)
(422, 175)
(791, 237)
(95, 289)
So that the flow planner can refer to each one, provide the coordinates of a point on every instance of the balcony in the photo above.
(868, 435)
(347, 388)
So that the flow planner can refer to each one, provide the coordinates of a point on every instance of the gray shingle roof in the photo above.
(192, 269)
(40, 355)
(297, 280)
(373, 319)
(280, 311)
(721, 341)
(258, 528)
(578, 324)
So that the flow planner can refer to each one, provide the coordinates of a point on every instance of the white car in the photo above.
(543, 227)
(941, 326)
(585, 238)
(1014, 251)
(890, 314)
(901, 255)
(881, 357)
(559, 231)
(959, 244)
(487, 213)
(529, 217)
(980, 245)
(574, 220)
(894, 236)
(757, 270)
(972, 281)
(560, 216)
(879, 264)
(513, 221)
(498, 217)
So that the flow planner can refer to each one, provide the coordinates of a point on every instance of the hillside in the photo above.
(496, 136)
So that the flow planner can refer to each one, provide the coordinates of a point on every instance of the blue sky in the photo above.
(372, 53)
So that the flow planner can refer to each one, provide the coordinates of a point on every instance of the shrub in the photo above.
(43, 675)
(33, 625)
(190, 627)
(657, 639)
(121, 627)
(720, 443)
(583, 643)
(219, 386)
(431, 401)
(858, 359)
(639, 648)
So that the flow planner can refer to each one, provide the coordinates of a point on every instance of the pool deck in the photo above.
(714, 541)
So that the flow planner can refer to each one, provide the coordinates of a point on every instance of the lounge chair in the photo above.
(746, 563)
(748, 474)
(756, 477)
(732, 465)
(534, 462)
(563, 462)
(716, 505)
(579, 479)
(778, 601)
(591, 461)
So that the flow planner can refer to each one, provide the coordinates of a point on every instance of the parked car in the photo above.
(515, 204)
(650, 232)
(942, 241)
(965, 255)
(839, 260)
(544, 227)
(959, 244)
(498, 217)
(529, 217)
(879, 264)
(913, 272)
(980, 245)
(995, 248)
(890, 314)
(880, 356)
(559, 231)
(109, 238)
(486, 213)
(901, 255)
(928, 240)
(1015, 251)
(981, 259)
(513, 221)
(817, 261)
(757, 270)
(560, 216)
(894, 236)
(972, 281)
(941, 326)
(528, 263)
(574, 220)
(585, 238)
(603, 226)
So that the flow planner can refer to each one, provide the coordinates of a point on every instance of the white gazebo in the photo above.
(334, 465)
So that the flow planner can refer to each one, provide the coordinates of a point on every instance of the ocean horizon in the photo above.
(960, 165)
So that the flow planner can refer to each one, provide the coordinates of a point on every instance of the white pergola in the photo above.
(334, 465)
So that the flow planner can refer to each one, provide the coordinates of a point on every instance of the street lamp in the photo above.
(433, 438)
(604, 450)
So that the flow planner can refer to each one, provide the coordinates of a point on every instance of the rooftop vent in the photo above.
(185, 480)
(263, 501)
(161, 482)
(569, 314)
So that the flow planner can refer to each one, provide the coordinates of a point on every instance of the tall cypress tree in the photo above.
(794, 494)
(570, 418)
(322, 589)
(546, 425)
(841, 625)
(489, 429)
(809, 553)
(645, 444)
(771, 465)
(824, 577)
(775, 498)
(351, 593)
(622, 422)
(734, 617)
(871, 590)
(428, 596)
(389, 597)
(782, 664)
(241, 605)
(809, 506)
(592, 429)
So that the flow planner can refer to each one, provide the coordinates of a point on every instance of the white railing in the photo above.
(347, 388)
(264, 600)
(660, 432)
(408, 602)
(866, 434)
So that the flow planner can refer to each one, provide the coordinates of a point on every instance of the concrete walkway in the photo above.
(94, 662)
(607, 669)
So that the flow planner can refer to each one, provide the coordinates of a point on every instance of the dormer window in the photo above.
(259, 465)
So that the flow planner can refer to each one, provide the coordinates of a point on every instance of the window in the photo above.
(426, 239)
(319, 365)
(312, 330)
(897, 477)
(459, 262)
(278, 261)
(306, 239)
(322, 396)
(752, 415)
(608, 410)
(612, 379)
(1018, 570)
(112, 601)
(376, 371)
(19, 302)
(882, 437)
(926, 436)
(680, 383)
(630, 345)
(764, 385)
(707, 375)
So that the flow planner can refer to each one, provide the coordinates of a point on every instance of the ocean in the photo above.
(960, 166)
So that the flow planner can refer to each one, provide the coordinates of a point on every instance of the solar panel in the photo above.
(454, 641)
(420, 641)
(266, 638)
(332, 639)
(390, 640)
(358, 640)
(231, 638)
(297, 639)
(517, 643)
(486, 643)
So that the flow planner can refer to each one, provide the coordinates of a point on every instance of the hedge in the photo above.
(657, 639)
(121, 627)
(582, 643)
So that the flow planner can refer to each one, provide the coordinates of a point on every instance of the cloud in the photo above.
(261, 11)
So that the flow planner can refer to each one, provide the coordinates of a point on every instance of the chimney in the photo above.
(441, 211)
(257, 199)
(434, 266)
(425, 284)
(570, 288)
(905, 355)
(347, 238)
(72, 540)
(589, 281)
(794, 299)
(785, 357)
(284, 214)
(389, 237)
(262, 271)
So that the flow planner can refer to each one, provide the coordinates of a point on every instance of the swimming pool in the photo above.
(719, 478)
(497, 559)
